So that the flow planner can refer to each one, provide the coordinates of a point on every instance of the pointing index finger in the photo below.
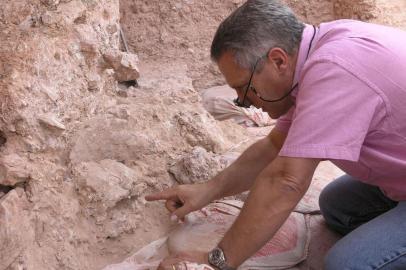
(163, 195)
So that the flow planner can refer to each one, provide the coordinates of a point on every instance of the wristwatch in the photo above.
(218, 259)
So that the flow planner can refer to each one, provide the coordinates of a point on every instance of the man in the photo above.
(339, 92)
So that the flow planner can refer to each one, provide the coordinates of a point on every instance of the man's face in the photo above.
(272, 80)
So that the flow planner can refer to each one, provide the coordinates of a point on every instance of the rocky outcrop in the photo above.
(125, 65)
(78, 151)
(15, 229)
(198, 166)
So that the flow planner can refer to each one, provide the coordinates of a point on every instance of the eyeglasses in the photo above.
(244, 103)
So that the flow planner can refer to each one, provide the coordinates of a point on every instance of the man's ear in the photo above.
(279, 59)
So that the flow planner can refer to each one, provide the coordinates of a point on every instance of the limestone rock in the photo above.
(13, 170)
(15, 230)
(120, 139)
(200, 130)
(48, 18)
(119, 223)
(51, 121)
(106, 183)
(3, 139)
(198, 166)
(50, 2)
(124, 64)
(94, 82)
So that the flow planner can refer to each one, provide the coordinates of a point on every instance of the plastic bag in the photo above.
(202, 230)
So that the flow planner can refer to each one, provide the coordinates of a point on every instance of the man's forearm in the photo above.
(272, 198)
(240, 175)
(263, 214)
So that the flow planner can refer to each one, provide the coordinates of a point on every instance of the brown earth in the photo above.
(78, 151)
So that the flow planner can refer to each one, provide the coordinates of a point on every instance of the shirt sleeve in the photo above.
(334, 112)
(283, 123)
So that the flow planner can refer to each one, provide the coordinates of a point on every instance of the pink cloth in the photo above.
(351, 103)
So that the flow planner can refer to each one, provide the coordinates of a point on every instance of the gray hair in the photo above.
(254, 28)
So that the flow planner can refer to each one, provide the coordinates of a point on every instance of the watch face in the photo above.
(217, 253)
(216, 256)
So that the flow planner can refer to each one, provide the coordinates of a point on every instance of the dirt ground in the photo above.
(78, 150)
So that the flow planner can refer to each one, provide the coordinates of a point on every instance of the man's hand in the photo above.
(177, 261)
(183, 199)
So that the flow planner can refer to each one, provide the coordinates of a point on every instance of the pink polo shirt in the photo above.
(351, 103)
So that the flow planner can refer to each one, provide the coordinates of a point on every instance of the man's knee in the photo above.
(338, 258)
(329, 202)
(331, 207)
(326, 200)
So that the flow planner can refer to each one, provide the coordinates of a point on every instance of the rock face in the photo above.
(182, 31)
(78, 153)
(107, 183)
(50, 56)
(15, 229)
(13, 170)
(124, 64)
(198, 166)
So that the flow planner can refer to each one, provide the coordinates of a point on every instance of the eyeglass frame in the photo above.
(249, 86)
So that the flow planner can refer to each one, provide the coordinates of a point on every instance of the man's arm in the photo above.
(273, 197)
(240, 175)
